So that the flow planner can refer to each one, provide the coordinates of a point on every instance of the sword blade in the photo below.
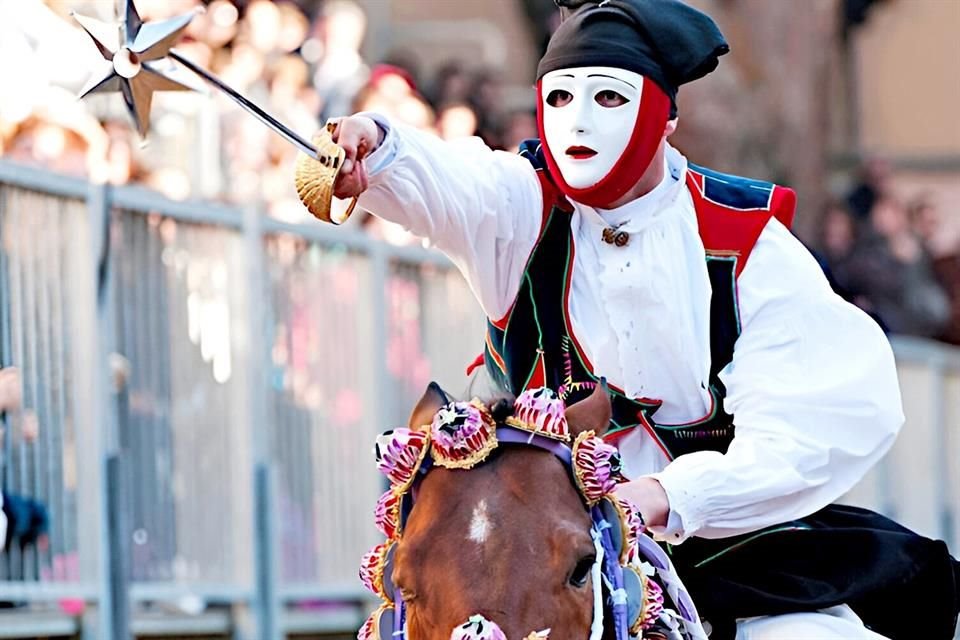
(264, 117)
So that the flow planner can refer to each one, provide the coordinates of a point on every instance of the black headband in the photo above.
(666, 41)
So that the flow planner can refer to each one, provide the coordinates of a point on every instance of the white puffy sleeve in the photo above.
(814, 394)
(482, 208)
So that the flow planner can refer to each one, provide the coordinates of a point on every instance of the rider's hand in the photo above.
(649, 498)
(358, 136)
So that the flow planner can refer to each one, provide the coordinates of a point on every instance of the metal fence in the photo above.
(201, 389)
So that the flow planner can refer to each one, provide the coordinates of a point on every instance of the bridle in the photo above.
(637, 577)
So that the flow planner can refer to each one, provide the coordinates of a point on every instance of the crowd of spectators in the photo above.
(303, 62)
(897, 259)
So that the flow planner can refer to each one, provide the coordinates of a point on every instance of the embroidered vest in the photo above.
(534, 344)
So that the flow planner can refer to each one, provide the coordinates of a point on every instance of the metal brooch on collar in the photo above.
(614, 237)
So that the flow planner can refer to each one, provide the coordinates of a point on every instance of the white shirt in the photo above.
(812, 384)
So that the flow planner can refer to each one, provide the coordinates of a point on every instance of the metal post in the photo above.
(941, 462)
(379, 273)
(266, 607)
(113, 580)
(119, 548)
(6, 321)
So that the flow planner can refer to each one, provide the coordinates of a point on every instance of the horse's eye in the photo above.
(581, 572)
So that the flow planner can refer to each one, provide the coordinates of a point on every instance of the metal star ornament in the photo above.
(133, 51)
(128, 49)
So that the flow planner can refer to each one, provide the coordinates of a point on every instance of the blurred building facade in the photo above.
(907, 94)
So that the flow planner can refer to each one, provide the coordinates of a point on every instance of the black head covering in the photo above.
(664, 40)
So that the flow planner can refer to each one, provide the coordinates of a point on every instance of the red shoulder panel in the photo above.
(784, 205)
(726, 230)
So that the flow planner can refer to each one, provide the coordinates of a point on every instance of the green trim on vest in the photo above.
(538, 347)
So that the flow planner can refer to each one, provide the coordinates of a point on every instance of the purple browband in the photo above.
(512, 435)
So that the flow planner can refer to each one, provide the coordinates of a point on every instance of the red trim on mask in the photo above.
(626, 172)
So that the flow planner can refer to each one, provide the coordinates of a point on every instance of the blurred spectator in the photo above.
(889, 273)
(943, 244)
(341, 72)
(486, 99)
(839, 234)
(27, 521)
(947, 268)
(10, 394)
(451, 84)
(519, 126)
(456, 120)
(22, 520)
(930, 227)
(838, 238)
(873, 183)
(60, 135)
(392, 92)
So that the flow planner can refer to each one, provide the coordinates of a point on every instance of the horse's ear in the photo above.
(593, 413)
(433, 398)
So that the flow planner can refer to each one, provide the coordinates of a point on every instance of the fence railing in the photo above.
(201, 391)
(202, 385)
(918, 481)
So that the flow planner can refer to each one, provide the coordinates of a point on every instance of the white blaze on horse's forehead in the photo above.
(480, 525)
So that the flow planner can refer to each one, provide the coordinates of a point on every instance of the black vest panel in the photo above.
(534, 346)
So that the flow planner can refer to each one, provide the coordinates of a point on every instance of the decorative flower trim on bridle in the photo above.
(631, 566)
(386, 514)
(462, 435)
(540, 411)
(379, 626)
(626, 517)
(652, 605)
(400, 452)
(596, 467)
(372, 570)
(478, 628)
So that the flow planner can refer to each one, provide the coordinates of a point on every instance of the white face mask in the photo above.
(589, 114)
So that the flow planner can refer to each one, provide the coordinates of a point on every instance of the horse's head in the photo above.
(509, 540)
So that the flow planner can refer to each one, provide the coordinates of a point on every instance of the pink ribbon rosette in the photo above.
(633, 527)
(478, 628)
(386, 514)
(652, 604)
(371, 628)
(540, 411)
(596, 466)
(462, 435)
(400, 452)
(372, 567)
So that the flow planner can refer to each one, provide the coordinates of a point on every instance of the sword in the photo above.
(132, 50)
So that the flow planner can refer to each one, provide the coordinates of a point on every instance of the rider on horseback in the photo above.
(747, 396)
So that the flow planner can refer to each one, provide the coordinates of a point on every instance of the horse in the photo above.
(509, 545)
(509, 540)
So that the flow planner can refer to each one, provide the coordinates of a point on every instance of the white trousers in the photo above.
(835, 623)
